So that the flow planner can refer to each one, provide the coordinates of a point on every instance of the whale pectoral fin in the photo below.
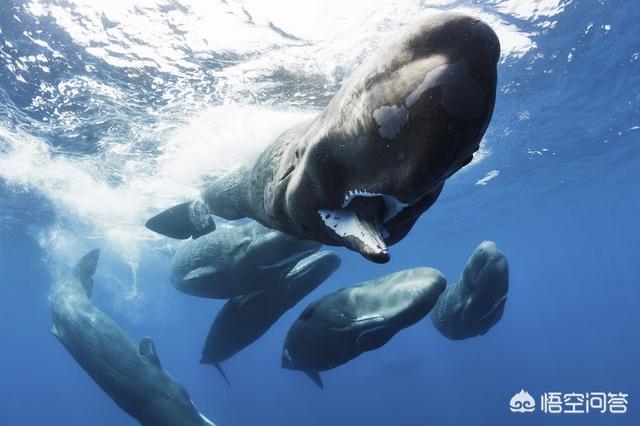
(222, 373)
(55, 332)
(190, 219)
(148, 351)
(315, 376)
(85, 269)
(200, 273)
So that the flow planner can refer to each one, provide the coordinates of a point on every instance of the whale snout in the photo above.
(487, 271)
(455, 34)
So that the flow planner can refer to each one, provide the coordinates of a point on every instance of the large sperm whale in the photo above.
(475, 303)
(235, 261)
(243, 319)
(342, 325)
(362, 172)
(129, 373)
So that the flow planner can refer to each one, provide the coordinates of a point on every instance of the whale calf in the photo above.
(243, 319)
(362, 172)
(342, 325)
(129, 373)
(235, 261)
(474, 303)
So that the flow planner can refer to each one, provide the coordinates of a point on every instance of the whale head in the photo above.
(485, 282)
(407, 119)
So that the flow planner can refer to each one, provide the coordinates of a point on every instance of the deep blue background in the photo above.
(568, 223)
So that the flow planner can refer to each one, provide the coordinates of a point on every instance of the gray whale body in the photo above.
(342, 325)
(130, 374)
(243, 319)
(474, 303)
(362, 172)
(235, 261)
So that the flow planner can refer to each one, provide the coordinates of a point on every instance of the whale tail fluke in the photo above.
(85, 269)
(315, 376)
(190, 219)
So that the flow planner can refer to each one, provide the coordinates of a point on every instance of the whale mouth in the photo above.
(288, 262)
(495, 308)
(359, 223)
(393, 206)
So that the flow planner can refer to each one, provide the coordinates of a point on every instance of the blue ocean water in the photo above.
(109, 113)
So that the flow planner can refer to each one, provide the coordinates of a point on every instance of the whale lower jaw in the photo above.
(359, 223)
(496, 307)
(206, 420)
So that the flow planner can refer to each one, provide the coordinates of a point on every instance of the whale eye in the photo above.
(337, 319)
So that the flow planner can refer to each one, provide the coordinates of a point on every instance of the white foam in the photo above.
(92, 212)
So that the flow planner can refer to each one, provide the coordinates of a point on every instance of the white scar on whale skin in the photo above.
(392, 118)
(430, 80)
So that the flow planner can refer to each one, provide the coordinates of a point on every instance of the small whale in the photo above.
(342, 325)
(243, 319)
(361, 173)
(236, 261)
(475, 303)
(129, 373)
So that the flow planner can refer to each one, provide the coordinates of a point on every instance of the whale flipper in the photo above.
(222, 373)
(315, 376)
(148, 351)
(190, 219)
(201, 272)
(85, 269)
